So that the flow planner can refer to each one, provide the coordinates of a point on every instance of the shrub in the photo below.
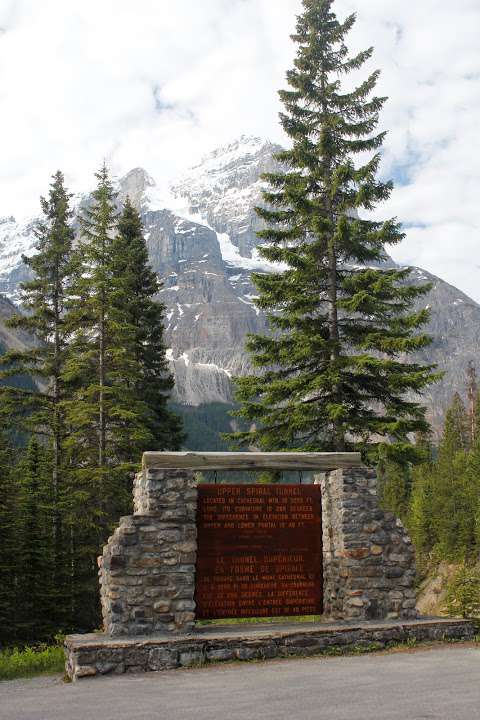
(30, 661)
(463, 594)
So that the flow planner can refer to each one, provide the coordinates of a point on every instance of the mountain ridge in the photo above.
(201, 236)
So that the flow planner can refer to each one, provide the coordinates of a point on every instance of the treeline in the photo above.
(439, 499)
(70, 443)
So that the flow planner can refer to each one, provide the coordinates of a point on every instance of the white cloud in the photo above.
(428, 53)
(155, 83)
(158, 83)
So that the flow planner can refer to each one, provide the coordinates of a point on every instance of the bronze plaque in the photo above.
(259, 551)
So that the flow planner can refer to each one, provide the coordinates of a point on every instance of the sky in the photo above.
(159, 83)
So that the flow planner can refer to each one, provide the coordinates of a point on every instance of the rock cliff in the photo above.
(201, 235)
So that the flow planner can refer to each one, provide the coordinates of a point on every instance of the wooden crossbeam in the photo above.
(250, 460)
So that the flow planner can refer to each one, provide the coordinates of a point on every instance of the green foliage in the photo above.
(454, 490)
(141, 365)
(269, 477)
(31, 608)
(439, 499)
(463, 595)
(43, 299)
(39, 612)
(420, 521)
(116, 360)
(100, 399)
(9, 497)
(394, 487)
(332, 374)
(205, 424)
(90, 407)
(38, 408)
(118, 378)
(31, 661)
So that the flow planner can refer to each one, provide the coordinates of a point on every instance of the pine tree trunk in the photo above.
(339, 439)
(338, 434)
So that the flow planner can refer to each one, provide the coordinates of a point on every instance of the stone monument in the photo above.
(251, 551)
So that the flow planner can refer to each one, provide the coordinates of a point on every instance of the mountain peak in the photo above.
(134, 184)
(137, 176)
(244, 148)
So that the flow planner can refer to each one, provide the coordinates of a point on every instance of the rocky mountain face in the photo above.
(9, 338)
(201, 235)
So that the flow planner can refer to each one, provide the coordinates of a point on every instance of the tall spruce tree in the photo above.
(88, 409)
(332, 374)
(39, 409)
(117, 356)
(140, 322)
(96, 492)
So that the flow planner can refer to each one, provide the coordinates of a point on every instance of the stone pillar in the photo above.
(369, 563)
(147, 571)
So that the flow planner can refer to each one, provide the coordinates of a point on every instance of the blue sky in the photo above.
(158, 84)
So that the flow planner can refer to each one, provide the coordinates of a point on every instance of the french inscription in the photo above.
(259, 551)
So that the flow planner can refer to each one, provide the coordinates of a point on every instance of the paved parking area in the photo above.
(442, 683)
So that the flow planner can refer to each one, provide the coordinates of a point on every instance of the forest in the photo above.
(88, 397)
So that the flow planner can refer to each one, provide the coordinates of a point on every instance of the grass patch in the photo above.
(31, 661)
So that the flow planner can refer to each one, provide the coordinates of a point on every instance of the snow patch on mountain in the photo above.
(224, 168)
(16, 239)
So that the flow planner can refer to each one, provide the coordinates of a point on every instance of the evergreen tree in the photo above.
(40, 612)
(117, 361)
(420, 520)
(141, 350)
(87, 367)
(333, 372)
(444, 506)
(394, 487)
(451, 515)
(456, 431)
(471, 502)
(8, 544)
(39, 409)
(96, 492)
(403, 485)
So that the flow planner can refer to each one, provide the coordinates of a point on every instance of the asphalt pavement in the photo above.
(442, 683)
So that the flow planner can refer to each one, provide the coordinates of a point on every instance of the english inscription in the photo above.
(259, 551)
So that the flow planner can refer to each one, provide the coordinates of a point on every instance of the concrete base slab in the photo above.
(97, 654)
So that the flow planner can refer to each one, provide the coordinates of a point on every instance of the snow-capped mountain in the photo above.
(16, 239)
(201, 234)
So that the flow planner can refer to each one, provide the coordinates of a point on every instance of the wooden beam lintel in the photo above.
(250, 461)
